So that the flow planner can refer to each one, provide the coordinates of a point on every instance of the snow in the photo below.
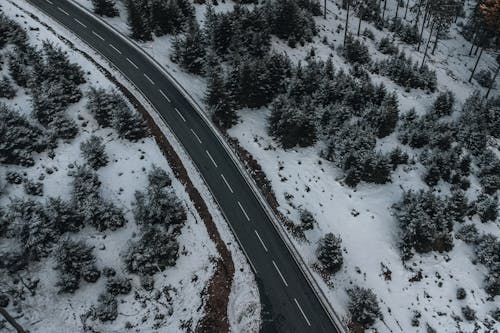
(370, 239)
(47, 311)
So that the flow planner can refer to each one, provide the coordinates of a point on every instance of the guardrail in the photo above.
(248, 179)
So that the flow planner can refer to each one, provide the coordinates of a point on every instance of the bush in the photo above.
(487, 207)
(14, 177)
(63, 215)
(461, 293)
(363, 306)
(106, 309)
(6, 88)
(105, 8)
(63, 127)
(33, 188)
(407, 32)
(75, 260)
(467, 233)
(443, 105)
(307, 220)
(424, 223)
(156, 250)
(468, 313)
(329, 253)
(488, 253)
(484, 78)
(118, 285)
(386, 46)
(355, 51)
(93, 151)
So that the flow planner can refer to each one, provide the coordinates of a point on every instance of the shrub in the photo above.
(468, 313)
(93, 151)
(443, 105)
(106, 309)
(105, 8)
(307, 220)
(487, 207)
(461, 293)
(386, 46)
(33, 188)
(329, 253)
(424, 223)
(6, 88)
(75, 260)
(355, 51)
(118, 285)
(63, 215)
(484, 78)
(63, 127)
(363, 306)
(467, 233)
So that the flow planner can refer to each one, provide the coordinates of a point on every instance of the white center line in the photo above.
(136, 67)
(196, 135)
(48, 1)
(260, 239)
(149, 79)
(180, 115)
(62, 10)
(114, 48)
(211, 158)
(227, 184)
(164, 95)
(98, 36)
(80, 23)
(301, 311)
(243, 210)
(279, 272)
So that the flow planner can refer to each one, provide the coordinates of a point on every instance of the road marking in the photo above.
(260, 239)
(62, 10)
(196, 135)
(136, 67)
(114, 48)
(243, 210)
(180, 115)
(227, 184)
(301, 311)
(50, 2)
(80, 23)
(279, 272)
(164, 95)
(98, 36)
(211, 158)
(149, 79)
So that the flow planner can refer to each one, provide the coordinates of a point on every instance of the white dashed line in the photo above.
(180, 115)
(301, 311)
(164, 95)
(260, 239)
(136, 67)
(149, 79)
(279, 272)
(211, 158)
(98, 36)
(196, 135)
(114, 48)
(243, 210)
(227, 184)
(62, 10)
(80, 23)
(50, 2)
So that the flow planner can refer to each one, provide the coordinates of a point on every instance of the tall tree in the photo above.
(137, 21)
(105, 8)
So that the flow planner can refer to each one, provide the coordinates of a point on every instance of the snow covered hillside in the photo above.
(385, 164)
(96, 232)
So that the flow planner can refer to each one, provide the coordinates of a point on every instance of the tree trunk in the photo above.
(406, 10)
(347, 20)
(423, 25)
(427, 45)
(11, 320)
(324, 14)
(492, 81)
(383, 11)
(419, 11)
(435, 42)
(397, 9)
(359, 25)
(477, 49)
(472, 42)
(475, 66)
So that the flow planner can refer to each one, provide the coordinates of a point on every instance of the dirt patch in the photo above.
(216, 293)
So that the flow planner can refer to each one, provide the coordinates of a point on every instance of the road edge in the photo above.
(248, 179)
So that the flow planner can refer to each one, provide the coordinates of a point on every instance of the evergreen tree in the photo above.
(6, 88)
(189, 50)
(139, 24)
(443, 105)
(363, 306)
(105, 8)
(94, 152)
(329, 253)
(384, 118)
(129, 124)
(102, 104)
(458, 205)
(487, 207)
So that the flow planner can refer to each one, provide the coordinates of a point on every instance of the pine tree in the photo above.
(137, 22)
(189, 50)
(6, 88)
(329, 253)
(105, 8)
(384, 118)
(443, 105)
(129, 124)
(94, 152)
(363, 306)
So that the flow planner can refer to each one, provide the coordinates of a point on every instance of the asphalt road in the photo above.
(289, 303)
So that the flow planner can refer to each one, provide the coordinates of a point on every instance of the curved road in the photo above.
(289, 303)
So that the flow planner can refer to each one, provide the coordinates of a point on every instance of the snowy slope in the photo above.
(370, 239)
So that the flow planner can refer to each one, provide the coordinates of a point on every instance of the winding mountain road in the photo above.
(289, 302)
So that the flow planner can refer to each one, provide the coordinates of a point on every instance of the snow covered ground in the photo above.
(370, 239)
(47, 311)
